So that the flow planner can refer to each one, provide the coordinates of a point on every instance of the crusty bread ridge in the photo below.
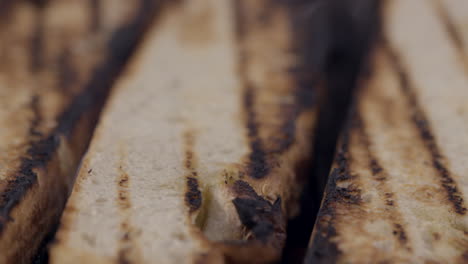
(57, 59)
(195, 157)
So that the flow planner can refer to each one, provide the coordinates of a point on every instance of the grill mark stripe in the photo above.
(128, 250)
(385, 193)
(257, 165)
(421, 123)
(193, 196)
(264, 148)
(452, 32)
(26, 175)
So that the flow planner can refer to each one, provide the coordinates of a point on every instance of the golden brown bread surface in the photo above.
(194, 160)
(398, 191)
(57, 59)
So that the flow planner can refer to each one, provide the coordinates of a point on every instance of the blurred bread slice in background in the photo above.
(398, 190)
(57, 60)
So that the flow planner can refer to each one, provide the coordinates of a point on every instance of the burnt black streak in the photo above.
(422, 124)
(193, 196)
(257, 167)
(379, 174)
(304, 92)
(400, 233)
(120, 46)
(26, 177)
(257, 164)
(124, 203)
(304, 88)
(263, 150)
(258, 215)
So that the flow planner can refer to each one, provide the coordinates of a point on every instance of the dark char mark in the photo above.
(123, 197)
(257, 165)
(422, 124)
(124, 204)
(400, 233)
(258, 215)
(379, 173)
(120, 47)
(35, 158)
(193, 196)
(303, 74)
(264, 149)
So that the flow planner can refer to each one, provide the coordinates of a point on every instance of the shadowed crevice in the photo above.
(335, 38)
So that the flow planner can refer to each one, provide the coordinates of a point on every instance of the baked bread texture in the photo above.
(57, 59)
(398, 190)
(195, 157)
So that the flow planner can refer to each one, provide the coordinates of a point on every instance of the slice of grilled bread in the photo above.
(56, 59)
(398, 191)
(194, 160)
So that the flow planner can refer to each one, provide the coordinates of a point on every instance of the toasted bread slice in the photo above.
(57, 59)
(194, 159)
(398, 191)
